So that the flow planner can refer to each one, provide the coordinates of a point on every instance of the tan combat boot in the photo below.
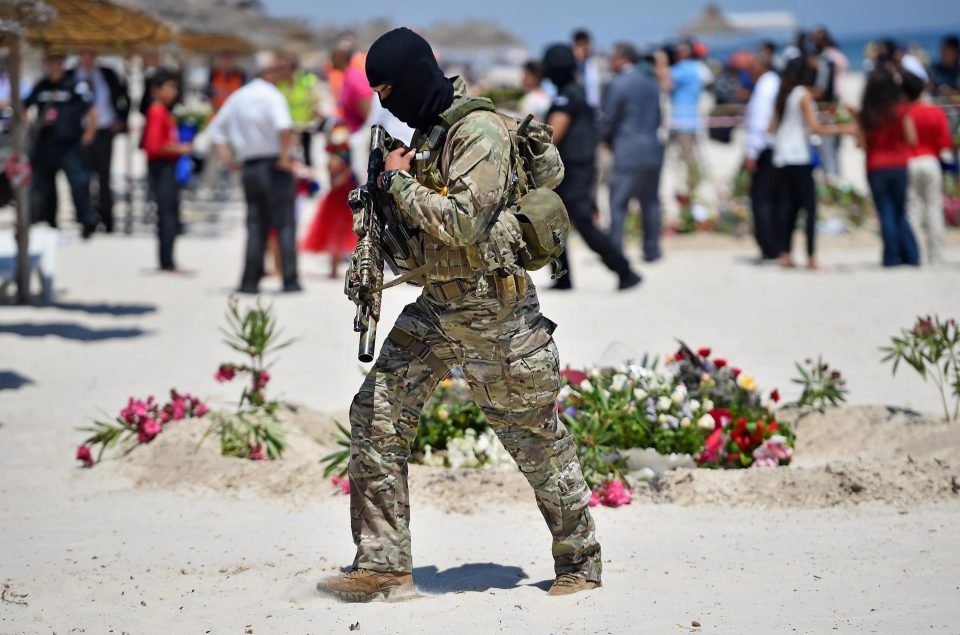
(567, 583)
(364, 585)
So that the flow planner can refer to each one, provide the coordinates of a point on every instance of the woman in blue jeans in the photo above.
(886, 133)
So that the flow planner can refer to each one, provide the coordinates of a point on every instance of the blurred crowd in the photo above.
(255, 122)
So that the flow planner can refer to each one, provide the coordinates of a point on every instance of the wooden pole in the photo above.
(22, 191)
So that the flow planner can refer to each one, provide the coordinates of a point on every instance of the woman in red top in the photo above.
(925, 192)
(331, 230)
(163, 148)
(884, 130)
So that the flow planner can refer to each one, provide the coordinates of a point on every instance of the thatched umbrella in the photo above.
(98, 25)
(711, 22)
(202, 43)
(15, 17)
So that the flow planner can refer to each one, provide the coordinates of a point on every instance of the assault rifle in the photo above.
(382, 236)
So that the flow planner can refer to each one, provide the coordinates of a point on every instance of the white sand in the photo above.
(119, 548)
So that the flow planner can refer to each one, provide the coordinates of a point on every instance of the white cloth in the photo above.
(756, 122)
(102, 100)
(537, 103)
(591, 82)
(912, 65)
(251, 121)
(925, 205)
(791, 144)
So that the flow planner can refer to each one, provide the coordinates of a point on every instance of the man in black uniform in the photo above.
(112, 105)
(64, 124)
(575, 135)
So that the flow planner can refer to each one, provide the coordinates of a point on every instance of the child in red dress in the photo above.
(331, 230)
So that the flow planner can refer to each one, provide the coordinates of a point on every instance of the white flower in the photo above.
(662, 419)
(685, 422)
(619, 382)
(707, 422)
(606, 393)
(679, 394)
(586, 386)
(694, 405)
(636, 371)
(707, 405)
(639, 394)
(593, 373)
(663, 404)
(564, 393)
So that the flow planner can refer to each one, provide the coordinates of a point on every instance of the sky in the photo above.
(540, 22)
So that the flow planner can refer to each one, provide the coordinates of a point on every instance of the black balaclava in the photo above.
(418, 90)
(559, 65)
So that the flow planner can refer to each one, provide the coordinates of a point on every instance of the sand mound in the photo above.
(844, 457)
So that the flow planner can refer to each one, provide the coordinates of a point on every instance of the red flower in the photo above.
(719, 362)
(257, 453)
(736, 372)
(775, 396)
(678, 356)
(224, 373)
(573, 376)
(261, 380)
(703, 352)
(84, 454)
(722, 416)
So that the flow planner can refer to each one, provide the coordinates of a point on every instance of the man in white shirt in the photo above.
(588, 68)
(758, 151)
(253, 132)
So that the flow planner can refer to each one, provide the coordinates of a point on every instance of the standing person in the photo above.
(925, 189)
(831, 66)
(300, 90)
(65, 123)
(587, 68)
(575, 135)
(684, 83)
(253, 132)
(481, 316)
(630, 123)
(225, 79)
(331, 230)
(355, 94)
(111, 102)
(535, 99)
(884, 134)
(163, 148)
(758, 153)
(795, 120)
(946, 72)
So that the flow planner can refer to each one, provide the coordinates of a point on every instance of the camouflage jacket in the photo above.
(455, 192)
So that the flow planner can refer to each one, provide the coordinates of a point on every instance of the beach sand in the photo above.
(859, 535)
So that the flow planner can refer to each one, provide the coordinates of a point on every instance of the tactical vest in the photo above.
(513, 242)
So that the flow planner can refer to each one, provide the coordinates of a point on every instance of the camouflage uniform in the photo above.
(506, 350)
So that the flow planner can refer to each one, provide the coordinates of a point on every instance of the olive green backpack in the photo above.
(539, 210)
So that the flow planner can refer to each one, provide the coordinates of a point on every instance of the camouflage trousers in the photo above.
(511, 363)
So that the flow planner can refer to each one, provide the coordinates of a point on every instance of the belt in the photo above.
(260, 160)
(508, 289)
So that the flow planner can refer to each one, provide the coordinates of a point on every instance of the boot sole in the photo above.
(357, 597)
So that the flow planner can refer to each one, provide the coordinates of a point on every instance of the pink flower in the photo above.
(261, 380)
(257, 453)
(224, 373)
(772, 452)
(84, 454)
(712, 446)
(614, 494)
(149, 428)
(199, 409)
(343, 483)
(164, 416)
(178, 410)
(594, 499)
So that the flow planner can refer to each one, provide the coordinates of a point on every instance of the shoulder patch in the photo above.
(561, 100)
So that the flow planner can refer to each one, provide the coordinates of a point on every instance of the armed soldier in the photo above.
(467, 190)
